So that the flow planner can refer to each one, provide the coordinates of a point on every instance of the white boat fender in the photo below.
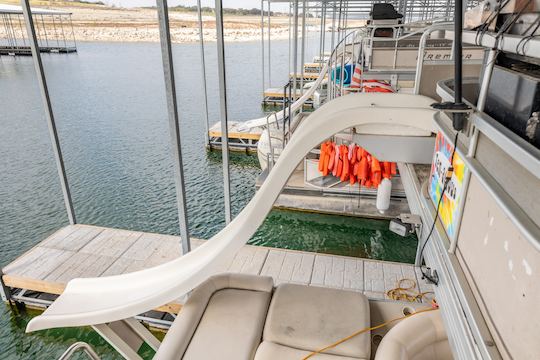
(383, 195)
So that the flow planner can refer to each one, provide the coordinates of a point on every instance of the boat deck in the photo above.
(92, 251)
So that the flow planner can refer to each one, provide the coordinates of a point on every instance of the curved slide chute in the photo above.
(94, 301)
(263, 121)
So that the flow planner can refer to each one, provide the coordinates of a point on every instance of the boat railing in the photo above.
(79, 346)
(271, 155)
(422, 46)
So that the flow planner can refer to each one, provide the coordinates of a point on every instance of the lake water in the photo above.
(110, 108)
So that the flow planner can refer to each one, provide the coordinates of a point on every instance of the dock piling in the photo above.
(44, 90)
(223, 111)
(174, 123)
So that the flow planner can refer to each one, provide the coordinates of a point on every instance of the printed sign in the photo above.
(449, 209)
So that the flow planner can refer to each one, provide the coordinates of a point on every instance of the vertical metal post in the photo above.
(290, 42)
(22, 31)
(223, 111)
(321, 37)
(174, 123)
(12, 29)
(72, 31)
(303, 47)
(42, 82)
(458, 118)
(63, 33)
(333, 69)
(55, 33)
(269, 52)
(203, 73)
(44, 31)
(295, 55)
(262, 46)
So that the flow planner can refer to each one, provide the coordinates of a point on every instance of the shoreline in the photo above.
(92, 22)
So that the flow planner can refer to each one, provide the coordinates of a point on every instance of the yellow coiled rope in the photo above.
(408, 293)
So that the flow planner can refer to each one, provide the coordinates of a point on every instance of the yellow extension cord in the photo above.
(398, 293)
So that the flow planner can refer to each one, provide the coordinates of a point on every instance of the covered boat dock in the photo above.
(54, 31)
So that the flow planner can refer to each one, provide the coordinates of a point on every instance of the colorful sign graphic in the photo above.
(449, 209)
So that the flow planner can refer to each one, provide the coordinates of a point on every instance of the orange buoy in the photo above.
(393, 169)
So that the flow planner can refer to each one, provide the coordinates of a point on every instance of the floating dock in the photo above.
(25, 50)
(54, 31)
(75, 251)
(307, 76)
(239, 140)
(277, 97)
(341, 199)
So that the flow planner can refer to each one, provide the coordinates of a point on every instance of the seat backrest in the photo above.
(419, 337)
(181, 332)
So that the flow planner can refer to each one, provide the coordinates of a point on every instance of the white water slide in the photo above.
(95, 301)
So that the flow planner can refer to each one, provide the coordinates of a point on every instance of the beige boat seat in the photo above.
(222, 319)
(420, 337)
(302, 319)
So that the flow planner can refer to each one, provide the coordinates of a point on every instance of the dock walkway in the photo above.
(92, 251)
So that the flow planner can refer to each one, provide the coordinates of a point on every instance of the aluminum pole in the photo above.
(174, 122)
(290, 40)
(269, 52)
(203, 73)
(303, 47)
(223, 111)
(44, 90)
(295, 56)
(262, 46)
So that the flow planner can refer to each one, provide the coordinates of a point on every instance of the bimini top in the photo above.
(17, 10)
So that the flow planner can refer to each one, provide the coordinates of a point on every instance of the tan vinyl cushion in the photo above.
(231, 327)
(420, 337)
(271, 351)
(216, 318)
(309, 318)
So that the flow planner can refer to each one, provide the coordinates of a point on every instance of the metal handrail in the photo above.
(80, 345)
(421, 46)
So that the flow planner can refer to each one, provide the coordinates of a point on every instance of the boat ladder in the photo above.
(80, 345)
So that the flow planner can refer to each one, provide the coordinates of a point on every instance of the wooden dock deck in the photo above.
(92, 251)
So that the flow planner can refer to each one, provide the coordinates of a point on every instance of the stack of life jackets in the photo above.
(355, 164)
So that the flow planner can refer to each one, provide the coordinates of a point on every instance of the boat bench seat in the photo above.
(302, 319)
(236, 317)
(222, 319)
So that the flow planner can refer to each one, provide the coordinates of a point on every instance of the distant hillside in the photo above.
(227, 11)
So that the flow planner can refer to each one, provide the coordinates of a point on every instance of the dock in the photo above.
(42, 273)
(307, 76)
(339, 199)
(239, 140)
(277, 97)
(54, 31)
